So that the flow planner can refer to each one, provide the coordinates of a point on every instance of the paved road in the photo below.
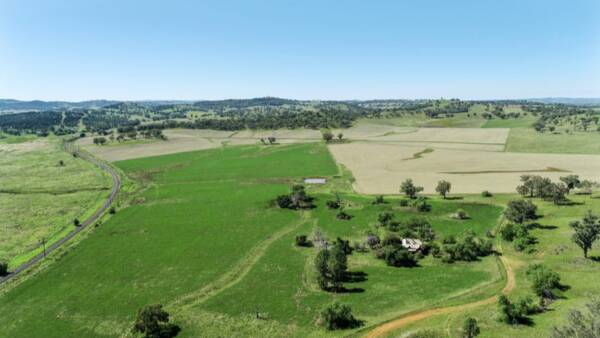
(113, 193)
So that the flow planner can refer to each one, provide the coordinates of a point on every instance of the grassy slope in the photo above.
(527, 140)
(554, 249)
(203, 214)
(290, 296)
(39, 198)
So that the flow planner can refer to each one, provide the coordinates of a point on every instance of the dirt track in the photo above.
(386, 328)
(113, 193)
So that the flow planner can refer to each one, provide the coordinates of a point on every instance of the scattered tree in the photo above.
(153, 322)
(340, 136)
(571, 182)
(443, 188)
(520, 211)
(586, 232)
(409, 189)
(76, 222)
(486, 193)
(327, 135)
(470, 328)
(336, 316)
(544, 281)
(378, 199)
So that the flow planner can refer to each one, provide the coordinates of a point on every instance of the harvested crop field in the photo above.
(380, 168)
(181, 140)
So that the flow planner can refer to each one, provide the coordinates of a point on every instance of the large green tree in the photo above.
(586, 232)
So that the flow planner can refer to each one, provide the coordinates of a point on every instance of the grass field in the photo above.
(205, 241)
(39, 198)
(529, 141)
(554, 249)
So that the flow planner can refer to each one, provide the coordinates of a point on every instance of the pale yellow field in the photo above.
(380, 168)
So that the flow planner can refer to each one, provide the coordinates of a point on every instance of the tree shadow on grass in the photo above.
(454, 198)
(356, 276)
(543, 226)
(595, 258)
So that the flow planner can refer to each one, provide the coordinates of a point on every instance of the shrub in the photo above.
(470, 328)
(3, 269)
(403, 202)
(373, 241)
(284, 201)
(333, 204)
(520, 211)
(460, 214)
(426, 334)
(344, 216)
(153, 321)
(544, 281)
(378, 199)
(76, 222)
(486, 193)
(421, 205)
(302, 240)
(399, 256)
(112, 210)
(336, 316)
(508, 232)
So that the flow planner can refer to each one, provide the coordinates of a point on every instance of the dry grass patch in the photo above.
(380, 168)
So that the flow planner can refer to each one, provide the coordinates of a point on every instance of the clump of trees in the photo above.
(544, 282)
(394, 254)
(443, 188)
(410, 189)
(378, 200)
(153, 322)
(517, 312)
(297, 199)
(519, 235)
(337, 316)
(332, 266)
(543, 187)
(520, 211)
(100, 141)
(468, 248)
(460, 214)
(415, 227)
(587, 231)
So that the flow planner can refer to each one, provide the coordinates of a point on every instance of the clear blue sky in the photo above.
(127, 50)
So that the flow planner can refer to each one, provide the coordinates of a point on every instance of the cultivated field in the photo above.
(39, 197)
(380, 168)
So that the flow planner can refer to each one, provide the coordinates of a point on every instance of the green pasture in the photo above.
(205, 240)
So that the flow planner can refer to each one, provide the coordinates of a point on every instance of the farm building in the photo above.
(411, 244)
(315, 180)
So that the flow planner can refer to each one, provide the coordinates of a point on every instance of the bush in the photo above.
(460, 214)
(284, 201)
(373, 241)
(112, 210)
(344, 216)
(426, 334)
(508, 232)
(398, 256)
(336, 316)
(403, 202)
(153, 321)
(333, 204)
(302, 240)
(520, 211)
(470, 328)
(378, 199)
(421, 205)
(543, 280)
(3, 269)
(76, 222)
(486, 193)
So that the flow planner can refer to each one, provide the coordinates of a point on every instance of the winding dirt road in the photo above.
(386, 328)
(113, 193)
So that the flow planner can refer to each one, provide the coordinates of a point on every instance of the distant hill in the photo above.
(582, 101)
(9, 105)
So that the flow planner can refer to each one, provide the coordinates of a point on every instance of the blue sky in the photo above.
(127, 50)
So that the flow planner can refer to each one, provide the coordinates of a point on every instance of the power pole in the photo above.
(42, 241)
